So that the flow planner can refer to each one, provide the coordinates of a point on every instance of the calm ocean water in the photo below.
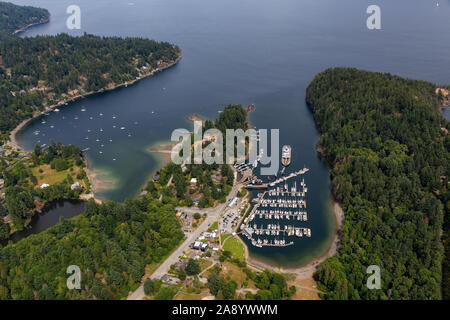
(254, 51)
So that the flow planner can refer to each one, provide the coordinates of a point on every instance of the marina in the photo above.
(278, 89)
(277, 211)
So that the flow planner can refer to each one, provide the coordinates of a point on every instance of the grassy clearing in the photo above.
(306, 289)
(233, 272)
(213, 227)
(51, 176)
(191, 296)
(224, 236)
(235, 247)
(204, 263)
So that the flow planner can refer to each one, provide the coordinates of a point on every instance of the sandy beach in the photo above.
(165, 149)
(96, 181)
(195, 117)
(97, 184)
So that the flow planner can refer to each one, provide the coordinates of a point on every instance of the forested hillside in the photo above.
(388, 149)
(13, 17)
(39, 72)
(111, 243)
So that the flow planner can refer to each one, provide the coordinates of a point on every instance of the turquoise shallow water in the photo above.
(255, 51)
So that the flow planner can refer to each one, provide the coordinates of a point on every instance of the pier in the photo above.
(282, 206)
(279, 180)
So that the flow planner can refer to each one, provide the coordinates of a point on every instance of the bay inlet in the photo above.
(260, 52)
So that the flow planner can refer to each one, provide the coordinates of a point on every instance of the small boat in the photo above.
(76, 118)
(286, 155)
(122, 128)
(56, 110)
(83, 110)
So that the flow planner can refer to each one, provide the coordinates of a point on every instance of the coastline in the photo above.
(94, 177)
(195, 117)
(96, 184)
(13, 134)
(446, 99)
(46, 20)
(165, 150)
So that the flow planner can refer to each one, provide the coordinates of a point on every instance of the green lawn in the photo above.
(235, 247)
(224, 236)
(214, 226)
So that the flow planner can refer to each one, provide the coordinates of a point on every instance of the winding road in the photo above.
(212, 215)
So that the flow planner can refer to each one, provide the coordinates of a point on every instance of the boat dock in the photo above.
(281, 206)
(279, 180)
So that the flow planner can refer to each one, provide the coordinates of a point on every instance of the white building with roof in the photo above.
(75, 186)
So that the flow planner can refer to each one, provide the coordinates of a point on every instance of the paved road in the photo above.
(173, 258)
(212, 215)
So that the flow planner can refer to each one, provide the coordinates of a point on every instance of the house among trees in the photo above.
(75, 186)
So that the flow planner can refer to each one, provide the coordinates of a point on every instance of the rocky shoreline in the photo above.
(44, 21)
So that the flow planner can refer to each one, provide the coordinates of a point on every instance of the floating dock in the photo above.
(281, 206)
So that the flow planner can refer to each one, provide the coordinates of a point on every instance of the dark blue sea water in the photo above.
(253, 51)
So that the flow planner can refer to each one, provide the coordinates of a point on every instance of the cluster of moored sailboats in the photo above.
(278, 205)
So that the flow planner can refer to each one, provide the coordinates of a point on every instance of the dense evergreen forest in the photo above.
(111, 243)
(388, 149)
(39, 72)
(13, 17)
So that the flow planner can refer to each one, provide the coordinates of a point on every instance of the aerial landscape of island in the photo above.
(354, 119)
